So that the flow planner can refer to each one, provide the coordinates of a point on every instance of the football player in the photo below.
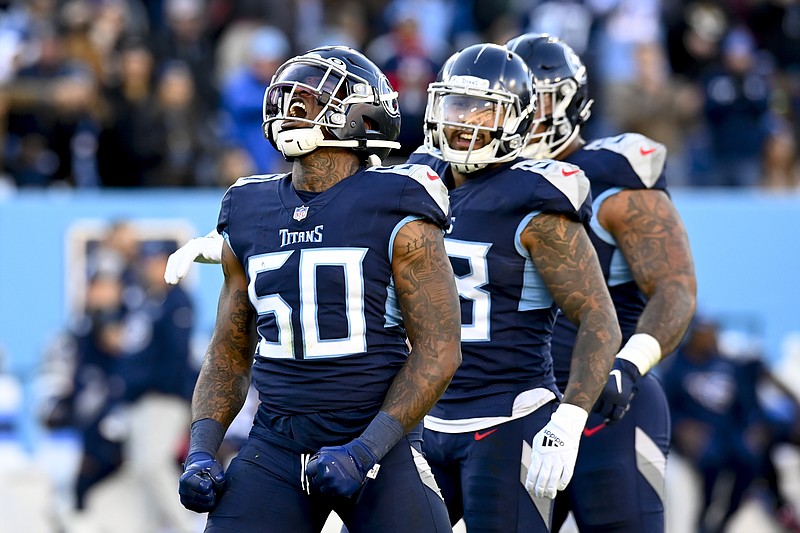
(644, 251)
(329, 268)
(501, 440)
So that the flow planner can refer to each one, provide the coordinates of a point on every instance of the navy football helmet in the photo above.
(561, 84)
(483, 93)
(359, 106)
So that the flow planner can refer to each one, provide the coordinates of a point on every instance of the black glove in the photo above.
(202, 482)
(615, 398)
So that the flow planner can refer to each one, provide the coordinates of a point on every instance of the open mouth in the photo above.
(297, 109)
(462, 140)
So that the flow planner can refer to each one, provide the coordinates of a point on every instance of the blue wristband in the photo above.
(206, 436)
(382, 434)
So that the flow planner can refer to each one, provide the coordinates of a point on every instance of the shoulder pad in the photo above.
(646, 156)
(567, 178)
(256, 178)
(425, 176)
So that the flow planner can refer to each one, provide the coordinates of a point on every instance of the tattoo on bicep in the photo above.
(563, 255)
(652, 238)
(426, 293)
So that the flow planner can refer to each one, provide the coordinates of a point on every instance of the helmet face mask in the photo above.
(553, 129)
(331, 96)
(561, 82)
(480, 110)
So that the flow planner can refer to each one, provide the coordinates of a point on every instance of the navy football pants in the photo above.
(482, 475)
(265, 492)
(618, 485)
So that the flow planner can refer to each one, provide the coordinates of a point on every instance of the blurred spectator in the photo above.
(189, 138)
(234, 163)
(80, 114)
(569, 20)
(402, 55)
(75, 18)
(184, 38)
(693, 37)
(708, 419)
(159, 381)
(737, 95)
(719, 424)
(243, 94)
(56, 115)
(131, 146)
(97, 386)
(117, 254)
(14, 28)
(659, 106)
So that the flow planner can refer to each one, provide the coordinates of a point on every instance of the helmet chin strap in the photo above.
(302, 141)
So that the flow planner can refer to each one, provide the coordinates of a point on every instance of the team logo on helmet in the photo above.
(300, 212)
(390, 104)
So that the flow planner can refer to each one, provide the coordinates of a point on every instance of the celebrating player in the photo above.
(329, 268)
(519, 251)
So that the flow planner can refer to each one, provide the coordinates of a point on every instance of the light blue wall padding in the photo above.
(746, 246)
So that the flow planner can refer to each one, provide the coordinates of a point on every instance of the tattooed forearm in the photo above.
(653, 240)
(568, 264)
(429, 303)
(224, 378)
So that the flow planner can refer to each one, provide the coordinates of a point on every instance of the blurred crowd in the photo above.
(168, 93)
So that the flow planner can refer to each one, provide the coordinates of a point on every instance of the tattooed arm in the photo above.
(220, 390)
(652, 238)
(568, 264)
(429, 303)
(224, 378)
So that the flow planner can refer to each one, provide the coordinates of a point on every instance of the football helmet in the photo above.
(561, 84)
(359, 108)
(480, 109)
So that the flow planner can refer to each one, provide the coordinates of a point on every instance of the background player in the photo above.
(337, 264)
(518, 249)
(647, 263)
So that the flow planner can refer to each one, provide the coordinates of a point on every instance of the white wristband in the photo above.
(642, 350)
(570, 418)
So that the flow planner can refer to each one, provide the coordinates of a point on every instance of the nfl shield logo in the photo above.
(300, 212)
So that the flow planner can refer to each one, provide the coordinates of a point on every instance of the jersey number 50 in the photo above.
(350, 260)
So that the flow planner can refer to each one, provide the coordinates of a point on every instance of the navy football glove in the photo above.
(342, 470)
(615, 398)
(202, 482)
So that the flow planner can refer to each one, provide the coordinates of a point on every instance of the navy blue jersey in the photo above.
(612, 164)
(331, 337)
(507, 312)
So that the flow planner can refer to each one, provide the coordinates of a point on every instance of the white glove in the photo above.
(206, 249)
(555, 450)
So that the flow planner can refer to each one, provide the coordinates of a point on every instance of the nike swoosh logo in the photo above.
(433, 177)
(646, 151)
(569, 173)
(588, 432)
(480, 436)
(618, 378)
